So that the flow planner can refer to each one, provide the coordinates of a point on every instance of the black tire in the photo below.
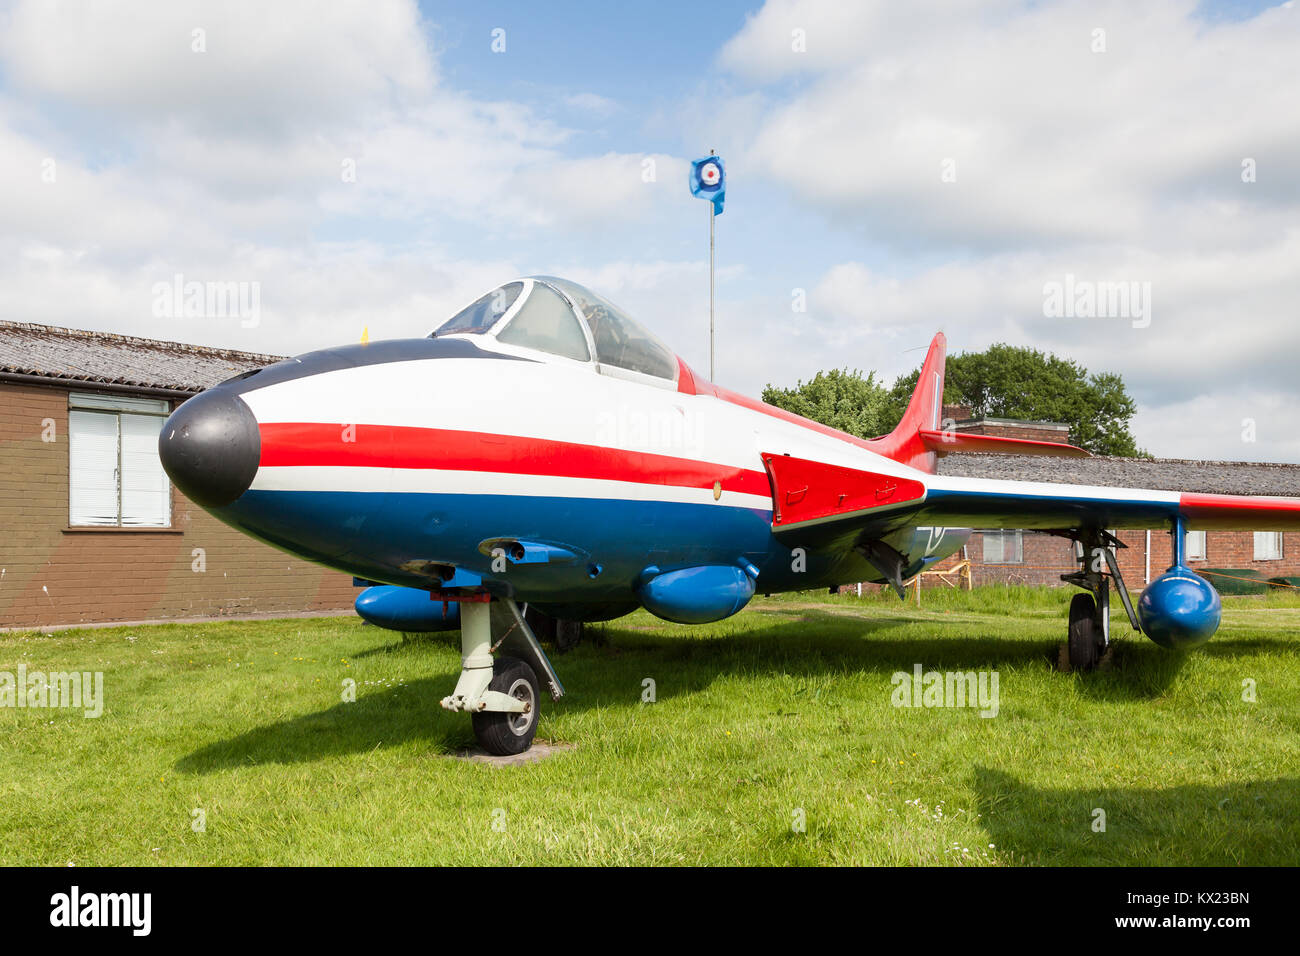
(543, 625)
(1084, 642)
(505, 734)
(568, 635)
(562, 634)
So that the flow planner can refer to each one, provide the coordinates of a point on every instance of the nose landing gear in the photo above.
(502, 694)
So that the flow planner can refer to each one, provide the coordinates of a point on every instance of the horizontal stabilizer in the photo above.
(948, 442)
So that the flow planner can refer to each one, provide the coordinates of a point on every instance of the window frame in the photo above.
(99, 403)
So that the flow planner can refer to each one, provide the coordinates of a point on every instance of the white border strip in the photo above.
(347, 478)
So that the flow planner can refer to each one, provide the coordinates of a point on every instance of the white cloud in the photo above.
(1117, 166)
(265, 68)
(1050, 142)
(228, 165)
(592, 103)
(788, 37)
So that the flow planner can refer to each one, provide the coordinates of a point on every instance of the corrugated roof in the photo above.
(1157, 474)
(74, 355)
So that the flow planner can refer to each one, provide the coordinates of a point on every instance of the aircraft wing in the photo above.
(993, 503)
(819, 502)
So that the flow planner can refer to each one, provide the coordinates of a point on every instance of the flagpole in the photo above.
(707, 181)
(712, 213)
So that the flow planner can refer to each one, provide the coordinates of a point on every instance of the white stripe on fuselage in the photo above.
(433, 480)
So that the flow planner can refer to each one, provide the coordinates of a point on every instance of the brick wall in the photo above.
(1047, 557)
(1024, 430)
(50, 574)
(1223, 549)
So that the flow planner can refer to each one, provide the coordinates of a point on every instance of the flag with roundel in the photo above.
(709, 181)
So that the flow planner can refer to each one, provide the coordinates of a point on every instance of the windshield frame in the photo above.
(505, 316)
(557, 285)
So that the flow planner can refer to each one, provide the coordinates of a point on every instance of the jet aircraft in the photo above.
(543, 450)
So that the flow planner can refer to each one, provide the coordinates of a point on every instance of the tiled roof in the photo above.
(73, 355)
(1157, 474)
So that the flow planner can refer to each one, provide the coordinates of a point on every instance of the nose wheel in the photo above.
(506, 733)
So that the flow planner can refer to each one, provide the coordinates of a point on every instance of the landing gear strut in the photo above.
(1089, 635)
(502, 694)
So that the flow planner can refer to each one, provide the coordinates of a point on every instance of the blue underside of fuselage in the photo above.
(381, 535)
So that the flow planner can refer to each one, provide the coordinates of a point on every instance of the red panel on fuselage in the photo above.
(810, 491)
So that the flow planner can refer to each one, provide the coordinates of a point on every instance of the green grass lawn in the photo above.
(784, 711)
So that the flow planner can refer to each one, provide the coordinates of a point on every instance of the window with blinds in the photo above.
(114, 476)
(1268, 545)
(1004, 547)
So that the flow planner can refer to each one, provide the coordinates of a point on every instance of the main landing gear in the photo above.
(503, 694)
(1089, 635)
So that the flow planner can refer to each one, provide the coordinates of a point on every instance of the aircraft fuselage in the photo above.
(399, 460)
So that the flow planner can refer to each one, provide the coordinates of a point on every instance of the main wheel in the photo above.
(543, 625)
(1085, 637)
(568, 635)
(504, 733)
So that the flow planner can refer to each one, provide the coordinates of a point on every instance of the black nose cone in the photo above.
(210, 447)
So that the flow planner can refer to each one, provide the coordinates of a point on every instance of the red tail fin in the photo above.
(924, 413)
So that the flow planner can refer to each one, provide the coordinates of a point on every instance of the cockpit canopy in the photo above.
(562, 318)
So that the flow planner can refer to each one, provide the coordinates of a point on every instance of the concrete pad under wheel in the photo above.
(538, 751)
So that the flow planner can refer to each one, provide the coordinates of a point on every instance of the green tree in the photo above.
(839, 398)
(1006, 381)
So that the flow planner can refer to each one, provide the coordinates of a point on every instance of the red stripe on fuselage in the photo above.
(402, 446)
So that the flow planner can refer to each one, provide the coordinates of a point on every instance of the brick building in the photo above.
(90, 528)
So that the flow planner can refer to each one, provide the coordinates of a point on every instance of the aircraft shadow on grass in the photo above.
(1250, 823)
(611, 676)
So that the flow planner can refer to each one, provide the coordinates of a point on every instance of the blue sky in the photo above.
(1099, 140)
